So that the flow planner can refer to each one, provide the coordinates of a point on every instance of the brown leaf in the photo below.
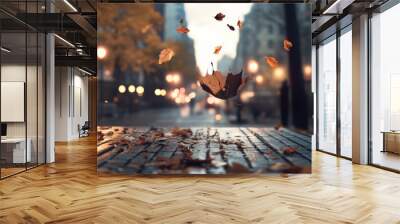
(231, 27)
(220, 86)
(287, 45)
(217, 49)
(165, 55)
(182, 132)
(182, 29)
(271, 61)
(219, 16)
(239, 24)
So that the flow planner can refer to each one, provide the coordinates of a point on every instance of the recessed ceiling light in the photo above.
(5, 50)
(64, 40)
(84, 71)
(70, 5)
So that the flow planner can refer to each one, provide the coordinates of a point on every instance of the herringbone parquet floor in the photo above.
(70, 191)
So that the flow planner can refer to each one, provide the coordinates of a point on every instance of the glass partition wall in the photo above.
(327, 95)
(22, 98)
(385, 89)
(334, 94)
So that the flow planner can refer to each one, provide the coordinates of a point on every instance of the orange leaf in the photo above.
(182, 29)
(289, 150)
(271, 61)
(165, 55)
(239, 24)
(287, 45)
(217, 49)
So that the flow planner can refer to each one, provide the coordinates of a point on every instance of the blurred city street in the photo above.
(181, 117)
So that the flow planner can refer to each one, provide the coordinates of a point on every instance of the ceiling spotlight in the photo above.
(70, 5)
(5, 50)
(64, 40)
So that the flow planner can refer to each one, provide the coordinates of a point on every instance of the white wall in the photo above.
(71, 102)
(33, 127)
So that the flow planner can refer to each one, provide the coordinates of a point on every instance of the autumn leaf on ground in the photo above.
(287, 45)
(217, 49)
(146, 28)
(219, 17)
(271, 61)
(231, 27)
(220, 86)
(289, 150)
(239, 24)
(182, 132)
(165, 55)
(182, 29)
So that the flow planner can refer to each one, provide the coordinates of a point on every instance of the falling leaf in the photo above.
(146, 28)
(271, 61)
(165, 55)
(219, 17)
(220, 86)
(217, 49)
(289, 150)
(287, 45)
(231, 27)
(182, 29)
(239, 24)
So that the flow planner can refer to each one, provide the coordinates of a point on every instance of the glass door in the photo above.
(385, 89)
(346, 93)
(327, 96)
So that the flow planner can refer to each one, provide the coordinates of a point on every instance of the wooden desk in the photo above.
(13, 150)
(391, 141)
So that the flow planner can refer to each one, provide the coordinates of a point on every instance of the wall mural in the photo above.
(216, 88)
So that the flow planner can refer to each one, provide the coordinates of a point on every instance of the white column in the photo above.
(50, 98)
(360, 90)
(314, 92)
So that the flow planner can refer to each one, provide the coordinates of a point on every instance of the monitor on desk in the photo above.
(3, 130)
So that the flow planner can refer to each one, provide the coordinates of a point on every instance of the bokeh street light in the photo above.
(279, 74)
(307, 72)
(121, 89)
(252, 66)
(259, 79)
(131, 88)
(163, 92)
(140, 90)
(157, 92)
(101, 52)
(174, 78)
